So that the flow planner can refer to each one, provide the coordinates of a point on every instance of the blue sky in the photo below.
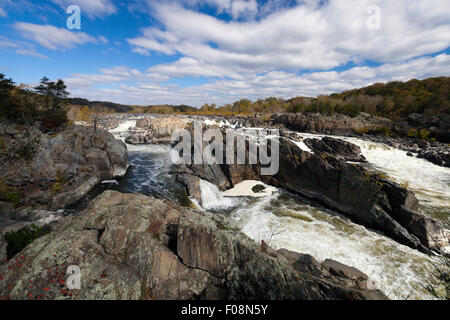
(218, 51)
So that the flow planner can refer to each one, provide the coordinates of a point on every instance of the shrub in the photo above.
(57, 187)
(18, 240)
(54, 119)
(424, 134)
(361, 131)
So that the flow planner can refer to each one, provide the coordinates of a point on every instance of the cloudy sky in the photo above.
(218, 51)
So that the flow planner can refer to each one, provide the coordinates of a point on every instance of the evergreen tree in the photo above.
(44, 88)
(59, 93)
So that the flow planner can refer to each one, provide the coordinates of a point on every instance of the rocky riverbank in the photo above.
(42, 173)
(137, 247)
(324, 174)
(404, 134)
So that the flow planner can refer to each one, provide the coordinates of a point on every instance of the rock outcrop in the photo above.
(335, 124)
(438, 155)
(438, 125)
(368, 199)
(155, 130)
(339, 149)
(136, 247)
(53, 171)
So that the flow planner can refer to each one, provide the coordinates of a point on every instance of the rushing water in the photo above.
(430, 182)
(288, 221)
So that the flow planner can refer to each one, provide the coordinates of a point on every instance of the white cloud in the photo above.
(103, 39)
(235, 8)
(186, 67)
(309, 36)
(97, 8)
(3, 13)
(7, 43)
(241, 8)
(51, 37)
(20, 47)
(149, 90)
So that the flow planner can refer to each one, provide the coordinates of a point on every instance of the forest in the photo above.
(49, 102)
(45, 103)
(393, 100)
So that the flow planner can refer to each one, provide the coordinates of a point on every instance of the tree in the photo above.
(44, 88)
(59, 93)
(5, 86)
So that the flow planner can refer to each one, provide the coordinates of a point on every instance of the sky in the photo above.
(193, 52)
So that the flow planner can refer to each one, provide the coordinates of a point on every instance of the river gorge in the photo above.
(289, 221)
(345, 217)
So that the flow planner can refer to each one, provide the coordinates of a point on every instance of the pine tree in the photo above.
(44, 89)
(59, 93)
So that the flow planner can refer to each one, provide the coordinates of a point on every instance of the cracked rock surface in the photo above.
(130, 246)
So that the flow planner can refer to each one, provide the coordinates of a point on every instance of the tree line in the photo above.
(393, 100)
(46, 103)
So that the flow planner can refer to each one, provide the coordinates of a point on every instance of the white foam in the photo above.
(396, 269)
(245, 189)
(124, 126)
(430, 182)
(213, 198)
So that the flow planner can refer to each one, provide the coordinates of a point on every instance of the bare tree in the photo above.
(275, 230)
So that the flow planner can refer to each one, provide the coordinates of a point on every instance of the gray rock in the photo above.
(130, 247)
(339, 149)
(192, 184)
(338, 269)
(155, 130)
(368, 199)
(335, 124)
(63, 168)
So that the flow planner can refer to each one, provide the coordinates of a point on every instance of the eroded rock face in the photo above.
(368, 199)
(339, 149)
(335, 124)
(137, 247)
(438, 125)
(61, 169)
(155, 130)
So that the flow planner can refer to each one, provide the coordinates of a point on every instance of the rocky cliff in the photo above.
(326, 176)
(137, 247)
(335, 124)
(52, 171)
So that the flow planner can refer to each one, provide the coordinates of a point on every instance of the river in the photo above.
(290, 222)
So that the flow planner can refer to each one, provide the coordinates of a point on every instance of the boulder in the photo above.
(339, 149)
(437, 155)
(132, 247)
(59, 170)
(192, 184)
(341, 270)
(157, 130)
